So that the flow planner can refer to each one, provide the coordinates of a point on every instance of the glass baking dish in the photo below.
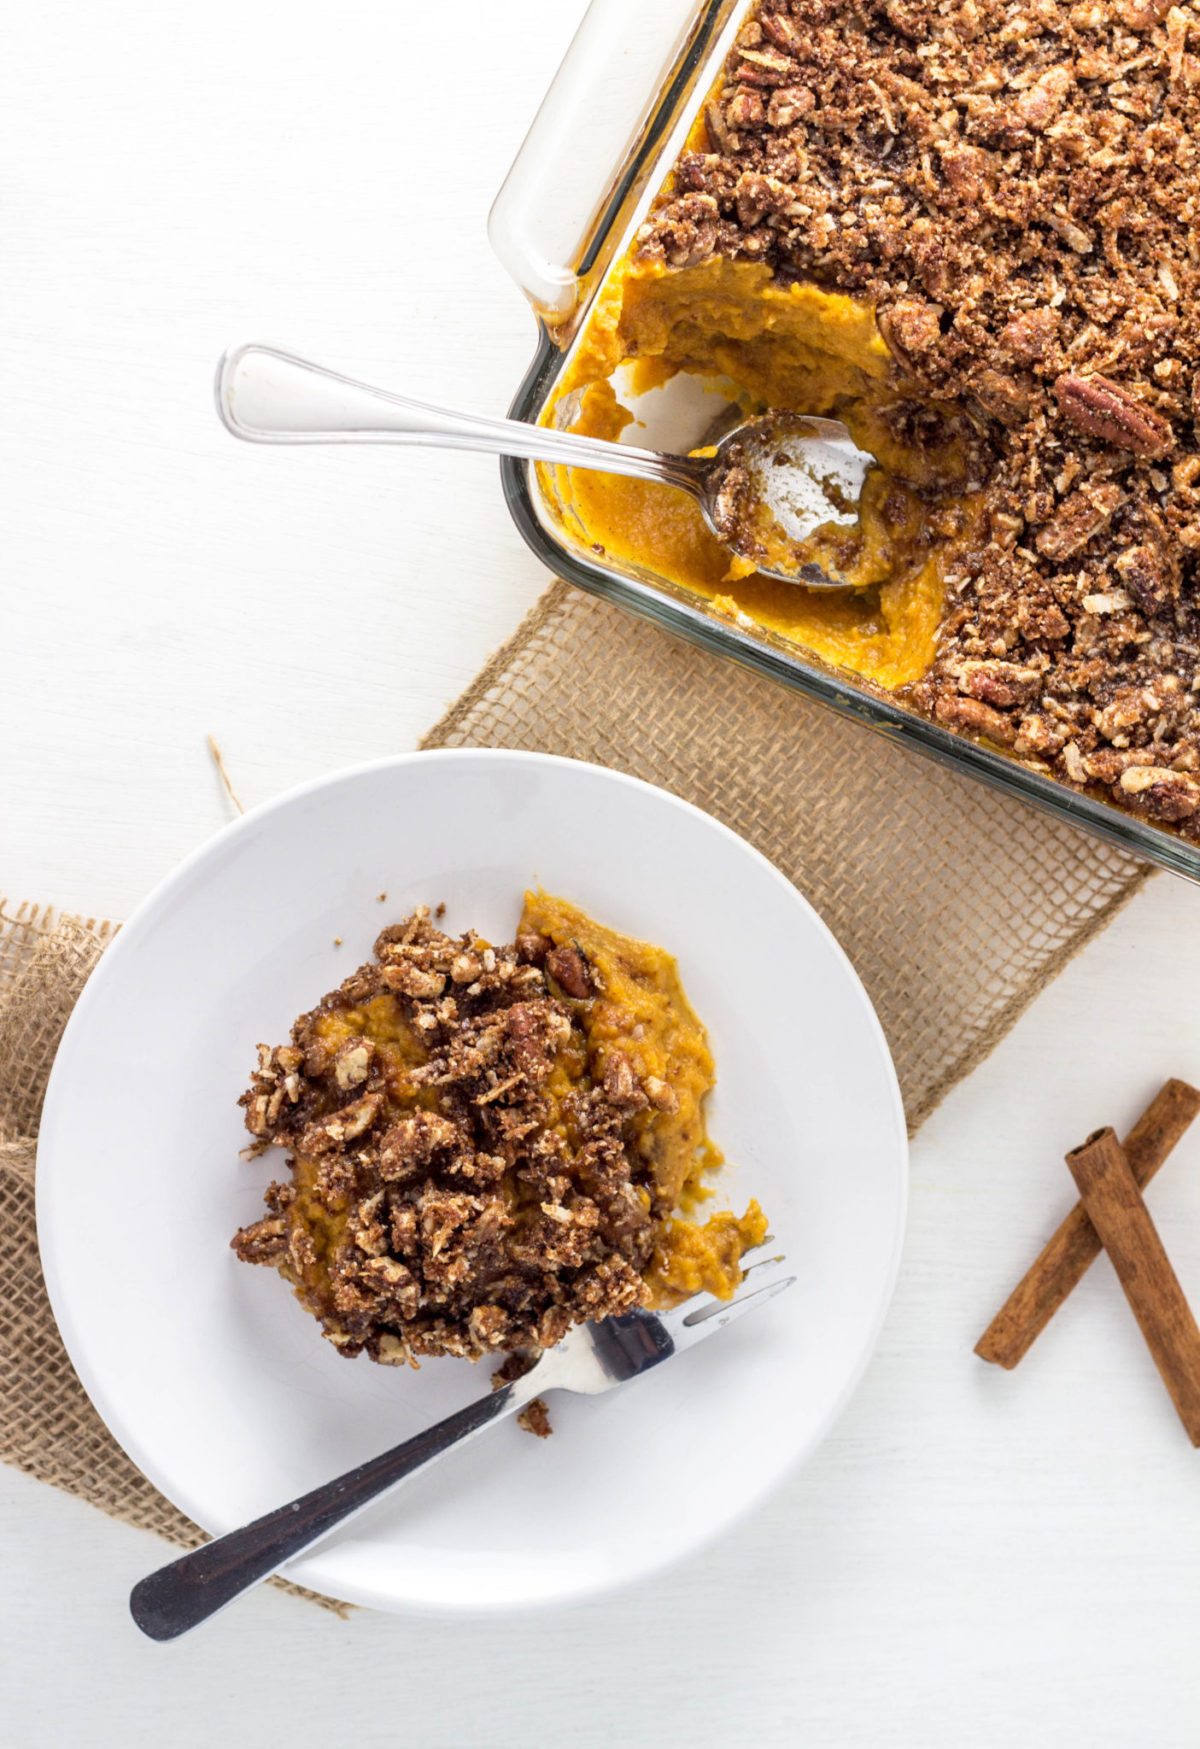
(600, 148)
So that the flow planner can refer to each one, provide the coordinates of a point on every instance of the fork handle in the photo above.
(268, 396)
(186, 1592)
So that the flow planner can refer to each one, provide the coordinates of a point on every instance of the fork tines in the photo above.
(700, 1317)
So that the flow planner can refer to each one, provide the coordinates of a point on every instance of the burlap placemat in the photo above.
(957, 905)
(48, 1427)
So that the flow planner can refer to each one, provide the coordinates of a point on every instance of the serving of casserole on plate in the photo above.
(491, 1144)
(968, 231)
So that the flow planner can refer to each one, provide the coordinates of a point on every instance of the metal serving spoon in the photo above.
(805, 472)
(591, 1358)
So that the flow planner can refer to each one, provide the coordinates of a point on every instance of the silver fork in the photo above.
(590, 1359)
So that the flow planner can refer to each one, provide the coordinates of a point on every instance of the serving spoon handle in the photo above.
(265, 395)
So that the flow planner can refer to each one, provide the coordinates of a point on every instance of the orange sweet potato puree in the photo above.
(795, 348)
(642, 1011)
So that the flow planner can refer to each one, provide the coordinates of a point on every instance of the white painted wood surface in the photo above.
(974, 1558)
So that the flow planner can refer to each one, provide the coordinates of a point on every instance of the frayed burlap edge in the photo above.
(48, 1427)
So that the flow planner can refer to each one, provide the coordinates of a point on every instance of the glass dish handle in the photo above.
(594, 115)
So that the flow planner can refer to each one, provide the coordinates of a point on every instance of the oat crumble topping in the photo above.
(471, 1172)
(1014, 186)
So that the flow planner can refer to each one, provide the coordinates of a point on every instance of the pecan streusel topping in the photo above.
(1013, 186)
(478, 1159)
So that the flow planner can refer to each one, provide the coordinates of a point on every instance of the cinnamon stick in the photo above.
(1076, 1244)
(1114, 1203)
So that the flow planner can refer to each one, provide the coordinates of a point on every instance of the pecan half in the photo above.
(745, 112)
(782, 31)
(976, 718)
(762, 67)
(1000, 683)
(569, 969)
(1102, 409)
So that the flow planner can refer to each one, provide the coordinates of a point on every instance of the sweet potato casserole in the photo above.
(968, 229)
(491, 1144)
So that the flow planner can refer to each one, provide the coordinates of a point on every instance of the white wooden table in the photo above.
(973, 1558)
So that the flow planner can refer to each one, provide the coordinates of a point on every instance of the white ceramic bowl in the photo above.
(215, 1381)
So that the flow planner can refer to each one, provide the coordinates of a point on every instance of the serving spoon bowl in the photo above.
(793, 474)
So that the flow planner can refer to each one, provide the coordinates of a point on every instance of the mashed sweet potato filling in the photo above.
(791, 348)
(642, 1014)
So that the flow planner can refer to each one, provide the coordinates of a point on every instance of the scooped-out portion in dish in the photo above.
(490, 1144)
(771, 347)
